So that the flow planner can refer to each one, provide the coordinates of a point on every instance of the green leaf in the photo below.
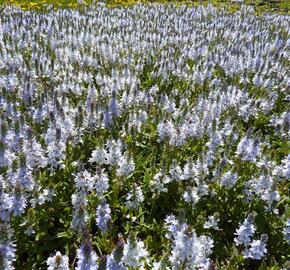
(64, 235)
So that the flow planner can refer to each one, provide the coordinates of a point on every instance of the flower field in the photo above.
(147, 137)
(260, 6)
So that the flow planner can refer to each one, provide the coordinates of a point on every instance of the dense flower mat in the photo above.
(281, 6)
(152, 137)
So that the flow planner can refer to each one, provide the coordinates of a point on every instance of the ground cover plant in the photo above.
(147, 137)
(260, 6)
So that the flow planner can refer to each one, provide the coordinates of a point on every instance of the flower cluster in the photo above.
(244, 234)
(166, 123)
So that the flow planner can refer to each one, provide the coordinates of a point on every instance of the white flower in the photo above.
(113, 264)
(257, 249)
(159, 181)
(99, 156)
(263, 187)
(58, 262)
(134, 254)
(286, 167)
(134, 198)
(102, 182)
(87, 258)
(80, 215)
(191, 195)
(212, 222)
(125, 166)
(84, 181)
(46, 195)
(103, 216)
(7, 255)
(156, 266)
(286, 231)
(229, 179)
(245, 232)
(190, 251)
(247, 149)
